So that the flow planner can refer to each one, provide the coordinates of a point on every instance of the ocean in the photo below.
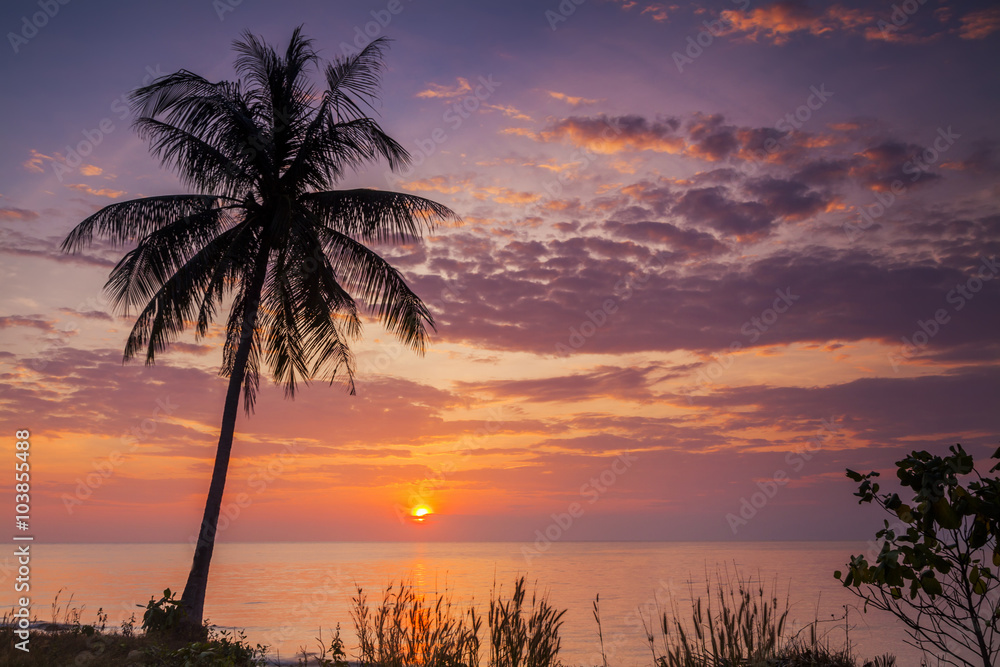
(284, 594)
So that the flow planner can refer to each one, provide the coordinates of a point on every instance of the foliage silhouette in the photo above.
(937, 568)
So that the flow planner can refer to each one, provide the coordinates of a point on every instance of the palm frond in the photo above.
(143, 270)
(129, 221)
(381, 287)
(201, 165)
(176, 300)
(376, 216)
(356, 77)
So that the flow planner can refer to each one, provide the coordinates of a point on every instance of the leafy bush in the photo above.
(938, 565)
(163, 615)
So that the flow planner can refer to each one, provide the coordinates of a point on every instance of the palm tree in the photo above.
(265, 232)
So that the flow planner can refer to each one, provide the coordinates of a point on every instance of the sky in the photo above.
(710, 257)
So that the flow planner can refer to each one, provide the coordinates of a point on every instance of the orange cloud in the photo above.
(447, 92)
(615, 135)
(981, 24)
(563, 206)
(91, 170)
(443, 184)
(557, 168)
(35, 162)
(777, 22)
(508, 111)
(17, 214)
(569, 99)
(519, 131)
(508, 196)
(102, 192)
(623, 167)
(656, 10)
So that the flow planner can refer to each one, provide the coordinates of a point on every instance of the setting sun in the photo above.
(421, 512)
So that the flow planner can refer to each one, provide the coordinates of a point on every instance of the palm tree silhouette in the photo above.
(265, 232)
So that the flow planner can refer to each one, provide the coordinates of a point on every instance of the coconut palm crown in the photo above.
(264, 234)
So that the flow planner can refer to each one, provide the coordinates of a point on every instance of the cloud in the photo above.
(780, 21)
(984, 158)
(508, 111)
(447, 185)
(507, 196)
(687, 240)
(824, 172)
(792, 200)
(30, 321)
(11, 213)
(980, 24)
(102, 192)
(434, 90)
(190, 348)
(887, 411)
(658, 11)
(884, 163)
(669, 300)
(15, 243)
(712, 207)
(632, 384)
(574, 101)
(88, 314)
(710, 138)
(616, 134)
(35, 161)
(91, 170)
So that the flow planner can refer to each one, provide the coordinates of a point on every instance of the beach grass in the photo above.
(734, 623)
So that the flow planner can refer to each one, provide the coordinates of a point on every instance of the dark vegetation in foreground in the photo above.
(738, 624)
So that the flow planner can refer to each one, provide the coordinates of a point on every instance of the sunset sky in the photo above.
(703, 247)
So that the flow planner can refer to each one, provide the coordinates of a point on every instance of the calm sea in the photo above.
(282, 594)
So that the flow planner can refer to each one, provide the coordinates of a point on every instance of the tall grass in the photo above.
(406, 629)
(520, 637)
(736, 623)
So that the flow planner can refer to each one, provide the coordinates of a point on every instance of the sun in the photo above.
(420, 513)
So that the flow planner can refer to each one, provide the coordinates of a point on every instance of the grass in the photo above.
(738, 624)
(734, 624)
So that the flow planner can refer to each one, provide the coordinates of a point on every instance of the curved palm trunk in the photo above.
(193, 597)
